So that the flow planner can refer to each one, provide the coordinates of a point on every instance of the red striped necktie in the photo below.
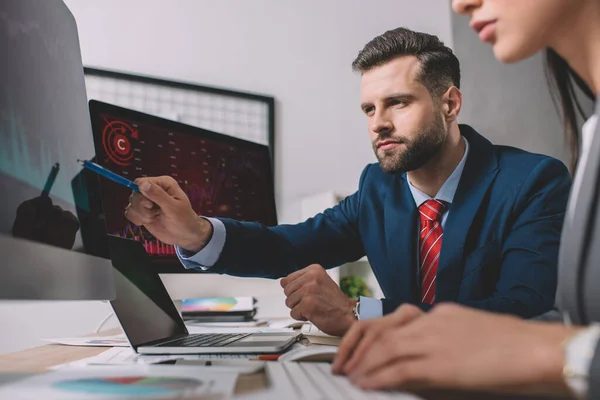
(430, 245)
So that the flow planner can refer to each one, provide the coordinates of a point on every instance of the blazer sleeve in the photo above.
(330, 239)
(528, 273)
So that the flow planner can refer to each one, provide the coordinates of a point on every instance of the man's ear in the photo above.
(451, 103)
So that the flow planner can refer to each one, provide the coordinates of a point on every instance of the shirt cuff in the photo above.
(209, 255)
(579, 352)
(370, 308)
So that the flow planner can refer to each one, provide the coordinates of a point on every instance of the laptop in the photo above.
(151, 321)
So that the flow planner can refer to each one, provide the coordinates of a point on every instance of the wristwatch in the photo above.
(356, 309)
(579, 351)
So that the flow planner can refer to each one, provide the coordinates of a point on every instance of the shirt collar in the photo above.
(448, 189)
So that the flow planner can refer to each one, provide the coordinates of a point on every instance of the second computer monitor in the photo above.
(223, 176)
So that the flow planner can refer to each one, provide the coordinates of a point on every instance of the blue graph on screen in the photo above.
(29, 159)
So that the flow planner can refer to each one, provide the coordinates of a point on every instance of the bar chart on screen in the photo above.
(152, 245)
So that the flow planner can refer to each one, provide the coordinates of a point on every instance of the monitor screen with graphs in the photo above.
(223, 176)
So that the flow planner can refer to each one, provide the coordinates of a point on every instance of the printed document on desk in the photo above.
(316, 336)
(94, 341)
(287, 323)
(140, 381)
(126, 356)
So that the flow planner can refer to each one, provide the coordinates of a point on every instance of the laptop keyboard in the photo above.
(205, 340)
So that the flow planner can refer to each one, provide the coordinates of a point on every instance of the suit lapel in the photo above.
(400, 215)
(480, 170)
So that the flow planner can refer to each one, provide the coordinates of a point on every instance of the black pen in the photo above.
(50, 180)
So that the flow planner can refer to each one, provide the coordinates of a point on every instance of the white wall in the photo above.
(509, 104)
(298, 52)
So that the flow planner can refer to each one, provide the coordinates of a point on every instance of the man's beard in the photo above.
(417, 152)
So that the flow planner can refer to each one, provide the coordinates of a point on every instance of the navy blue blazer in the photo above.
(500, 246)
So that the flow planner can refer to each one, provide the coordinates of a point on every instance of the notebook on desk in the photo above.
(316, 336)
(151, 321)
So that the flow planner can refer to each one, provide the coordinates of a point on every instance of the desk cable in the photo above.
(104, 321)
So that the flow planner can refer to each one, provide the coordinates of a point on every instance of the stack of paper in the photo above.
(219, 309)
(316, 336)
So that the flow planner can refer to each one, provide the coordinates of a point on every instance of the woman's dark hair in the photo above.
(561, 78)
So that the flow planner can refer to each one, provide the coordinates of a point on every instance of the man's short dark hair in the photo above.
(440, 68)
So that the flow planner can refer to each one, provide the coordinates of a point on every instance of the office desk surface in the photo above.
(39, 359)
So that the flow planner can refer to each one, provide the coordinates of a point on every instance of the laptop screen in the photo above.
(142, 305)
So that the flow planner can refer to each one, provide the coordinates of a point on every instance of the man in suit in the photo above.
(444, 216)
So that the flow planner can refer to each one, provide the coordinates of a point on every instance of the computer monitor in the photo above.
(44, 128)
(223, 176)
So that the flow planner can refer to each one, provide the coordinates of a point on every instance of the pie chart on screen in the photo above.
(129, 386)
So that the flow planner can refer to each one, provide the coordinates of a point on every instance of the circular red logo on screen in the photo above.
(121, 144)
(117, 141)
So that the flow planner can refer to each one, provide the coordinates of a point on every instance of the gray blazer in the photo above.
(578, 295)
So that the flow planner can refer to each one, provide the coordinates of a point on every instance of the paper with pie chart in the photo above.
(140, 382)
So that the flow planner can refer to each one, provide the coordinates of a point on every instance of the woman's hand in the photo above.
(454, 347)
